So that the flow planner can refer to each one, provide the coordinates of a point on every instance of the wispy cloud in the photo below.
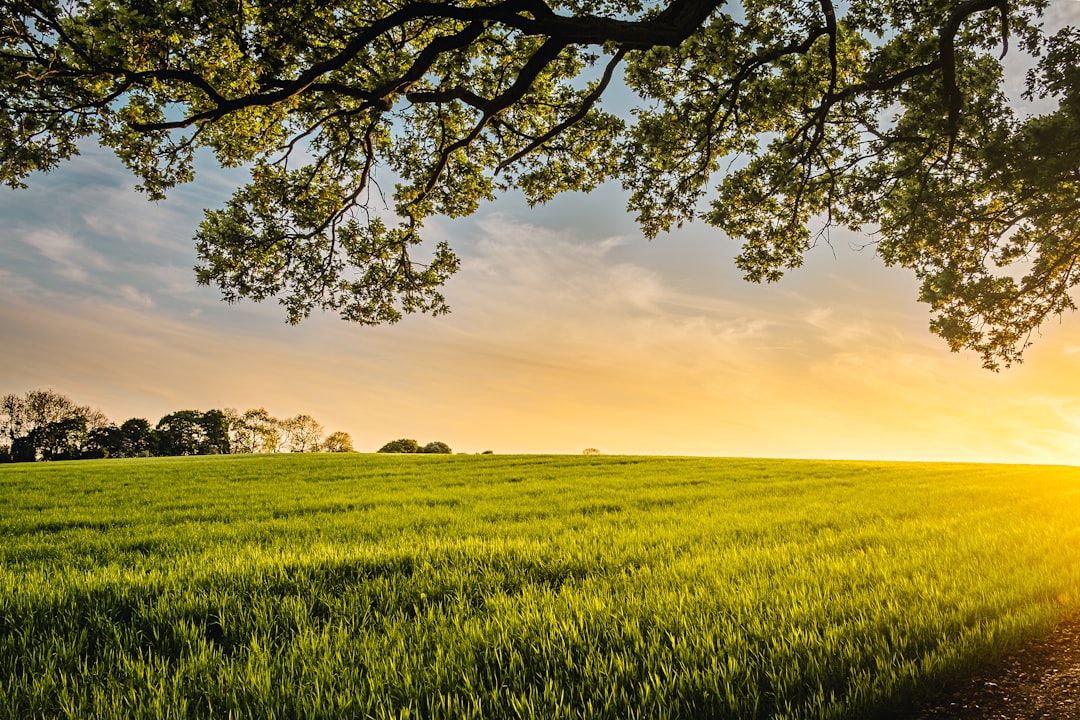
(70, 258)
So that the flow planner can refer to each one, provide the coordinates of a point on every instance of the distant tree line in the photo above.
(408, 445)
(45, 425)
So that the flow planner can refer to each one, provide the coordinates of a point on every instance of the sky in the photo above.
(569, 330)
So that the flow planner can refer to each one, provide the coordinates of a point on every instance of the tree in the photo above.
(215, 426)
(338, 441)
(43, 424)
(61, 440)
(255, 431)
(403, 445)
(772, 121)
(181, 433)
(436, 447)
(302, 433)
(139, 439)
(12, 417)
(20, 416)
(105, 442)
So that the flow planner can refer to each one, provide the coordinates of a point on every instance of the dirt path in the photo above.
(1042, 681)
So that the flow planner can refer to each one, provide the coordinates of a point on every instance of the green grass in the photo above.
(357, 586)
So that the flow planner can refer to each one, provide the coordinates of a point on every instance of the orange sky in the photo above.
(569, 330)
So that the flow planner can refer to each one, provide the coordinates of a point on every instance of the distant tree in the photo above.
(181, 433)
(42, 407)
(12, 417)
(105, 442)
(215, 425)
(61, 440)
(139, 439)
(43, 424)
(237, 431)
(23, 450)
(302, 433)
(95, 419)
(403, 445)
(257, 431)
(436, 447)
(590, 451)
(337, 442)
(21, 416)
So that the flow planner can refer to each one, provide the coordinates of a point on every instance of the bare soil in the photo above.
(1041, 681)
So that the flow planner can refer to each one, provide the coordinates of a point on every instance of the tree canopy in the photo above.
(773, 120)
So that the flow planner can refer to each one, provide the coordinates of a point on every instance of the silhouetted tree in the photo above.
(139, 439)
(105, 442)
(215, 425)
(436, 447)
(23, 450)
(180, 433)
(61, 440)
(44, 424)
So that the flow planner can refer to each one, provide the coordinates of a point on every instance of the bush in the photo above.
(403, 445)
(440, 448)
(590, 451)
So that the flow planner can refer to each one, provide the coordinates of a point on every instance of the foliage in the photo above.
(402, 445)
(103, 442)
(254, 431)
(337, 442)
(139, 440)
(302, 433)
(61, 440)
(215, 426)
(133, 438)
(436, 447)
(590, 451)
(519, 586)
(43, 424)
(181, 433)
(772, 121)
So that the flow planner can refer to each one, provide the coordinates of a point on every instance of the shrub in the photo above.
(403, 445)
(437, 447)
(590, 451)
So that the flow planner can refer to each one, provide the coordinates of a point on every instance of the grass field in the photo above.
(357, 586)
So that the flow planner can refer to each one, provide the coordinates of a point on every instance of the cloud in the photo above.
(135, 297)
(69, 257)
